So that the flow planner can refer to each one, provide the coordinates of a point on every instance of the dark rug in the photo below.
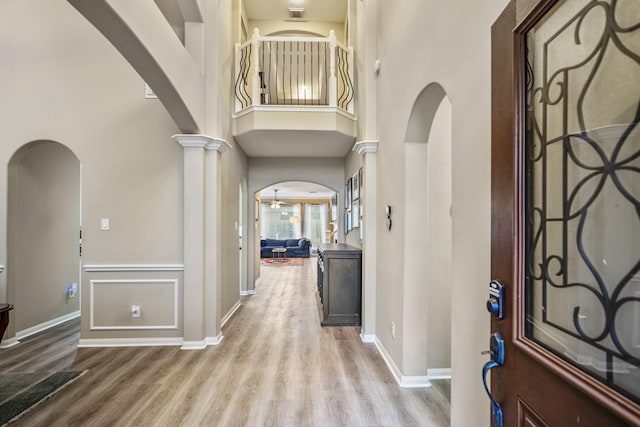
(22, 391)
(281, 261)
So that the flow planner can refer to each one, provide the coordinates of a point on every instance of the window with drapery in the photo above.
(295, 220)
(281, 223)
(316, 222)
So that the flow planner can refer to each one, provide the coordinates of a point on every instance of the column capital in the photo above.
(192, 140)
(218, 144)
(202, 141)
(363, 147)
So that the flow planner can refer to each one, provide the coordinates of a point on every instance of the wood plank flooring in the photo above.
(275, 367)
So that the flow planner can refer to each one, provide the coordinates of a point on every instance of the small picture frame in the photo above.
(355, 214)
(355, 183)
(347, 196)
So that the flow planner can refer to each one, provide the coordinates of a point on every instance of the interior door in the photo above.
(566, 213)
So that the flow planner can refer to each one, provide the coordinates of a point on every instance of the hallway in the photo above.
(275, 367)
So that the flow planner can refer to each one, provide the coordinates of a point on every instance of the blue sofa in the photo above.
(296, 248)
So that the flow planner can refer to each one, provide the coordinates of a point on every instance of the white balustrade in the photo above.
(296, 71)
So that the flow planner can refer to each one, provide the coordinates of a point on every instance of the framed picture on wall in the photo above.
(355, 214)
(355, 183)
(361, 179)
(347, 196)
(346, 223)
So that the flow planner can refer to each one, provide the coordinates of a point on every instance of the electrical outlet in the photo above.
(393, 330)
(135, 311)
(72, 289)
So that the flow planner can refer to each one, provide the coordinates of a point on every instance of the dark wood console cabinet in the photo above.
(340, 284)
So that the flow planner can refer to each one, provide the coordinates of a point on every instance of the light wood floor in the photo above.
(275, 367)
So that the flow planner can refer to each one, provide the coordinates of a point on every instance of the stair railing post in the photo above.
(351, 64)
(333, 81)
(255, 89)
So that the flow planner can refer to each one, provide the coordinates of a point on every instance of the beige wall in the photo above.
(220, 38)
(421, 43)
(265, 171)
(322, 29)
(44, 226)
(62, 81)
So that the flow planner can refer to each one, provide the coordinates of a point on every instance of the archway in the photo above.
(428, 238)
(293, 210)
(44, 223)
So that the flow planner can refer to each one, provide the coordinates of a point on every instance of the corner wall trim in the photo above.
(194, 345)
(101, 268)
(129, 342)
(368, 338)
(46, 325)
(9, 342)
(214, 340)
(230, 314)
(415, 381)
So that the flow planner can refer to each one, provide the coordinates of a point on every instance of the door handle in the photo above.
(496, 344)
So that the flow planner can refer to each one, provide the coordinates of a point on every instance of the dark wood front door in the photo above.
(566, 211)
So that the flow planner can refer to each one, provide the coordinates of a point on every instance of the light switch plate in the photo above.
(104, 224)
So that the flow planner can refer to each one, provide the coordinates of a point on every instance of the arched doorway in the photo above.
(428, 238)
(298, 210)
(44, 223)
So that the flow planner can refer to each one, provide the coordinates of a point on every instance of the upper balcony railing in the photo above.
(294, 71)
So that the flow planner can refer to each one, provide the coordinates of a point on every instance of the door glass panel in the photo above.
(583, 188)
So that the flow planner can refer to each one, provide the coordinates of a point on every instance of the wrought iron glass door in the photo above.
(582, 188)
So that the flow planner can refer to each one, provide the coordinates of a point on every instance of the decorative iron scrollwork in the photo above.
(582, 171)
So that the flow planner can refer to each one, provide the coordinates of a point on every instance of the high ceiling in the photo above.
(314, 10)
(276, 10)
(297, 190)
(271, 10)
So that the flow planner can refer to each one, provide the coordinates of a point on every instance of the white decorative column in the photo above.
(193, 223)
(201, 299)
(368, 150)
(213, 240)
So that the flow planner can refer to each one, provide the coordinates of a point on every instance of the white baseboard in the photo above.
(129, 342)
(201, 345)
(194, 345)
(230, 314)
(405, 381)
(215, 340)
(439, 373)
(251, 291)
(368, 338)
(244, 293)
(9, 342)
(46, 325)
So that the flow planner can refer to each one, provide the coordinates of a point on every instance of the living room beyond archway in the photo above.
(294, 218)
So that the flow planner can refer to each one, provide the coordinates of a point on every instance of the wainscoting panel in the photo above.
(111, 301)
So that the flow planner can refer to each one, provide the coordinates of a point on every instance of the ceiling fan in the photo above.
(275, 204)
